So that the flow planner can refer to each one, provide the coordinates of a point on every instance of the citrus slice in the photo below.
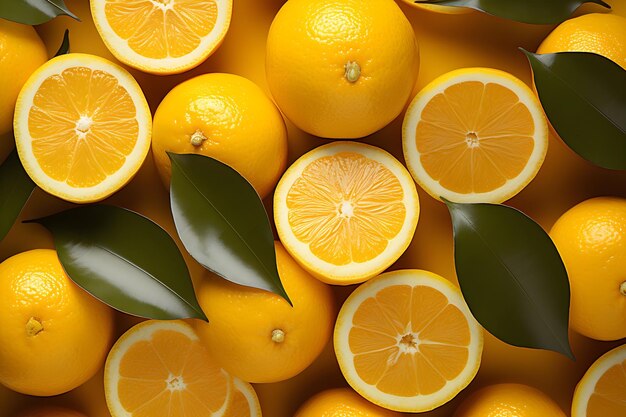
(244, 401)
(82, 127)
(407, 341)
(162, 36)
(475, 135)
(161, 368)
(602, 390)
(346, 211)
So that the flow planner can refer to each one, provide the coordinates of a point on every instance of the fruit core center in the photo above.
(472, 141)
(175, 383)
(163, 4)
(278, 336)
(409, 343)
(622, 288)
(197, 138)
(346, 209)
(352, 71)
(33, 326)
(83, 125)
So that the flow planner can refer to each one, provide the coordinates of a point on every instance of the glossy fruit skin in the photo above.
(341, 402)
(20, 48)
(508, 400)
(55, 335)
(242, 127)
(242, 323)
(600, 33)
(591, 238)
(309, 45)
(51, 412)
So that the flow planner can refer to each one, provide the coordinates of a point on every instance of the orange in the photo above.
(162, 365)
(256, 335)
(49, 411)
(226, 117)
(341, 402)
(475, 135)
(162, 36)
(602, 390)
(341, 68)
(243, 401)
(407, 341)
(509, 400)
(82, 127)
(591, 238)
(55, 335)
(346, 211)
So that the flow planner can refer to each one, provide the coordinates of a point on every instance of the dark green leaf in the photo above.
(15, 188)
(511, 276)
(222, 222)
(527, 11)
(65, 44)
(125, 260)
(584, 96)
(33, 12)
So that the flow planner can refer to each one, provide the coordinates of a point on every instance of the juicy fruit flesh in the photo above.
(609, 397)
(409, 341)
(83, 126)
(170, 372)
(346, 207)
(162, 28)
(474, 137)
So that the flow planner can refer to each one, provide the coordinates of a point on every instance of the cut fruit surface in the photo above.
(82, 127)
(475, 135)
(346, 211)
(243, 401)
(161, 365)
(602, 390)
(407, 341)
(162, 36)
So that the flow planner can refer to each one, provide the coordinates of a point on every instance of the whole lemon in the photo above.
(226, 117)
(21, 53)
(54, 335)
(50, 411)
(508, 400)
(341, 68)
(591, 238)
(256, 335)
(341, 402)
(601, 33)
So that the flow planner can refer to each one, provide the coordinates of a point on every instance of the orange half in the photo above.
(244, 401)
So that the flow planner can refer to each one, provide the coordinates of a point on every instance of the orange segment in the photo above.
(406, 341)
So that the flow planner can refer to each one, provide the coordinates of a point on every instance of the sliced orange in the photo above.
(407, 341)
(161, 368)
(244, 401)
(475, 135)
(162, 36)
(82, 127)
(346, 211)
(602, 390)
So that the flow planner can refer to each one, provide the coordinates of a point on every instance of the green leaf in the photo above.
(526, 11)
(124, 260)
(222, 222)
(65, 44)
(584, 96)
(33, 12)
(15, 188)
(511, 276)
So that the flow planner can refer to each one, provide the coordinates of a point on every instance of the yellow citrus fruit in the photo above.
(20, 48)
(601, 33)
(407, 341)
(226, 117)
(438, 9)
(163, 36)
(50, 411)
(341, 68)
(243, 401)
(346, 211)
(341, 402)
(82, 127)
(602, 390)
(475, 135)
(256, 335)
(162, 365)
(591, 238)
(509, 400)
(55, 335)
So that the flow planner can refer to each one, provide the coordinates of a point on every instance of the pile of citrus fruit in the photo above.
(353, 120)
